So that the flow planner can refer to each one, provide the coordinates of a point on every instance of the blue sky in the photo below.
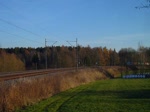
(111, 23)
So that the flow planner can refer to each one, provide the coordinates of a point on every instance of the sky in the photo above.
(115, 24)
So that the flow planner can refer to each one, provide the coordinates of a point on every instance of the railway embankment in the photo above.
(27, 91)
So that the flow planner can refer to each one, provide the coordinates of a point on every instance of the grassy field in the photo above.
(116, 95)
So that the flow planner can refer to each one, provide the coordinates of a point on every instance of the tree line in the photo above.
(14, 59)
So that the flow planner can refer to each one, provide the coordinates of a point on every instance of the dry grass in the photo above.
(114, 71)
(23, 92)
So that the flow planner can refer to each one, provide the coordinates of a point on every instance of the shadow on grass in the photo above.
(108, 98)
(124, 94)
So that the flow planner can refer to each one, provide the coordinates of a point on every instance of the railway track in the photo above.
(31, 73)
(17, 75)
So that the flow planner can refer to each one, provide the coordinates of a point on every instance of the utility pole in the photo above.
(53, 58)
(45, 54)
(76, 41)
(77, 54)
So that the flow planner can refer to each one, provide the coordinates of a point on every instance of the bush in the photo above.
(10, 62)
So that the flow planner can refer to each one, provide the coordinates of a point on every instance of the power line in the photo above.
(19, 36)
(16, 13)
(12, 24)
(10, 9)
(21, 16)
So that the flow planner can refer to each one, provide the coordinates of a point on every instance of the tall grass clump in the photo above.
(26, 91)
(115, 71)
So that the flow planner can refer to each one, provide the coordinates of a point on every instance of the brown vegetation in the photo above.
(23, 92)
(10, 62)
(115, 71)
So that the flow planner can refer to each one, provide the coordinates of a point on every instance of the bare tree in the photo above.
(143, 4)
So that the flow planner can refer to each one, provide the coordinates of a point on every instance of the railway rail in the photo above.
(31, 73)
(17, 75)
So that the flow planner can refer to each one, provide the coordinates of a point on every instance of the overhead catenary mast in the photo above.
(45, 54)
(76, 41)
(77, 54)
